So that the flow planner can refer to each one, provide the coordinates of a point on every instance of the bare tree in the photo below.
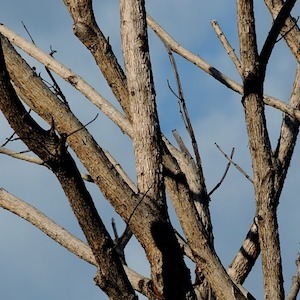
(161, 168)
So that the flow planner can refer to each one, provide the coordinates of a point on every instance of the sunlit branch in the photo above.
(69, 76)
(60, 235)
(230, 51)
(209, 69)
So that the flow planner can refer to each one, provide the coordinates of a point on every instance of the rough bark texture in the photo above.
(290, 30)
(263, 162)
(169, 273)
(89, 33)
(52, 150)
(245, 259)
(159, 165)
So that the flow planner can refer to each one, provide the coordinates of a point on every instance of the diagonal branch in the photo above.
(290, 31)
(209, 69)
(88, 32)
(69, 76)
(62, 236)
(235, 164)
(246, 257)
(230, 51)
(224, 175)
(278, 24)
(46, 225)
(185, 114)
(52, 149)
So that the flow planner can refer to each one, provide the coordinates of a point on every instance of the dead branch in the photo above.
(62, 236)
(230, 51)
(277, 26)
(88, 32)
(46, 225)
(235, 164)
(184, 111)
(290, 31)
(245, 259)
(199, 62)
(224, 175)
(69, 76)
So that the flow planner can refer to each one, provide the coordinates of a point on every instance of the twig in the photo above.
(230, 51)
(182, 104)
(224, 175)
(84, 126)
(31, 38)
(8, 140)
(55, 85)
(184, 246)
(235, 164)
(179, 105)
(288, 31)
(114, 227)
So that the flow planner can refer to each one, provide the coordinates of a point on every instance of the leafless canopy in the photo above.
(161, 168)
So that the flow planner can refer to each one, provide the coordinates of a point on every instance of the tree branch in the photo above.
(278, 24)
(235, 164)
(261, 153)
(230, 51)
(199, 62)
(168, 280)
(288, 135)
(46, 225)
(245, 259)
(62, 236)
(185, 114)
(290, 31)
(88, 32)
(50, 148)
(69, 76)
(224, 175)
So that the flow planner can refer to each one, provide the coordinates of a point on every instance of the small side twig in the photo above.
(8, 140)
(235, 164)
(224, 175)
(83, 126)
(230, 51)
(55, 85)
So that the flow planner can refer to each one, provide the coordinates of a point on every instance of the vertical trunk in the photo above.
(261, 152)
(170, 276)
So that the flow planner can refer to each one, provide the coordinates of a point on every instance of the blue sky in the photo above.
(33, 266)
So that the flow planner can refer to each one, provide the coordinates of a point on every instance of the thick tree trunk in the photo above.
(170, 276)
(111, 276)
